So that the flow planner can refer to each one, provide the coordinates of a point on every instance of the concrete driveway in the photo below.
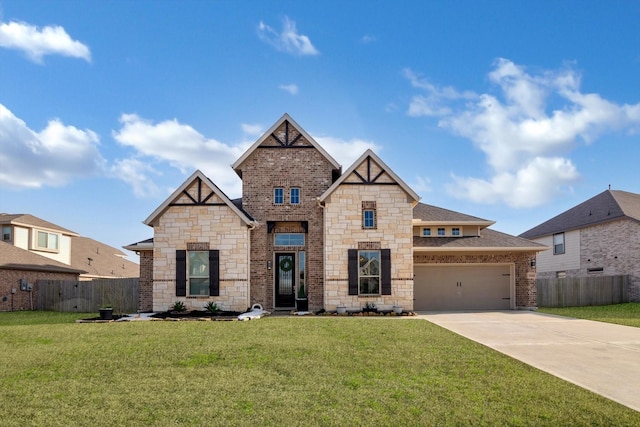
(600, 357)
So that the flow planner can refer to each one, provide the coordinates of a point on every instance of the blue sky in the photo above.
(509, 111)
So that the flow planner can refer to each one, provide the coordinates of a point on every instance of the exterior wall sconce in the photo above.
(533, 263)
(268, 265)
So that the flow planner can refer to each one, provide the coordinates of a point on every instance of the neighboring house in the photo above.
(20, 269)
(94, 259)
(350, 238)
(600, 236)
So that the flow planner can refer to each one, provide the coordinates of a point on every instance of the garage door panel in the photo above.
(462, 287)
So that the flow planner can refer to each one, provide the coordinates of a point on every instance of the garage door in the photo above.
(462, 287)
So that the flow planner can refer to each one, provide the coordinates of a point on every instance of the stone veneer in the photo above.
(271, 165)
(216, 225)
(343, 224)
(525, 280)
(613, 246)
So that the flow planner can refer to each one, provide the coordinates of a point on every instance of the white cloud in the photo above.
(36, 42)
(346, 152)
(525, 144)
(288, 40)
(292, 88)
(422, 185)
(367, 38)
(252, 129)
(51, 157)
(136, 173)
(182, 147)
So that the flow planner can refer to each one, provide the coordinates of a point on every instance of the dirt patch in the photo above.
(197, 315)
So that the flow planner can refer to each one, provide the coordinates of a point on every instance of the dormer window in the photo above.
(441, 232)
(6, 233)
(47, 241)
(455, 231)
(426, 232)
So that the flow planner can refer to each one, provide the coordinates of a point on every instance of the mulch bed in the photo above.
(197, 315)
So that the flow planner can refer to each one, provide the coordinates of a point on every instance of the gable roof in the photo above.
(197, 175)
(429, 214)
(607, 206)
(30, 221)
(285, 118)
(101, 260)
(15, 258)
(368, 156)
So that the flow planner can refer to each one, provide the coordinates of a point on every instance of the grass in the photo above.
(621, 314)
(276, 371)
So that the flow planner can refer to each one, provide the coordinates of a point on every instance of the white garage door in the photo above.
(462, 287)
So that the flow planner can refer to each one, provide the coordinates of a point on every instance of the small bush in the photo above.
(212, 307)
(179, 307)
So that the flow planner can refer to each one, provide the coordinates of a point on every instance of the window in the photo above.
(441, 232)
(6, 233)
(426, 232)
(48, 241)
(558, 243)
(294, 196)
(455, 231)
(278, 195)
(199, 273)
(301, 276)
(369, 215)
(369, 272)
(289, 239)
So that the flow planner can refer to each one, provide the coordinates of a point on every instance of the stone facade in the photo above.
(344, 231)
(525, 275)
(613, 247)
(215, 225)
(22, 300)
(271, 165)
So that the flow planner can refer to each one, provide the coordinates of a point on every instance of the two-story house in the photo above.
(599, 237)
(349, 238)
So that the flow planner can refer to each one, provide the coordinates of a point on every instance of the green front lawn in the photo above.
(622, 314)
(277, 371)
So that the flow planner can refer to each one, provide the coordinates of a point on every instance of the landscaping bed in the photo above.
(197, 315)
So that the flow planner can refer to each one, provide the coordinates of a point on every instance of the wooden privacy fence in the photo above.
(582, 291)
(88, 296)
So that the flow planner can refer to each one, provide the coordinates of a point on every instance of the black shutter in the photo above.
(353, 271)
(386, 271)
(214, 273)
(181, 273)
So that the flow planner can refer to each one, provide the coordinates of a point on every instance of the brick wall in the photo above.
(525, 282)
(10, 279)
(146, 281)
(269, 166)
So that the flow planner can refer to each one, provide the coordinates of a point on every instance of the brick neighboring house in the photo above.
(350, 238)
(600, 236)
(41, 237)
(21, 267)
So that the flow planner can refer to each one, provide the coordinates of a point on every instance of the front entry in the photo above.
(285, 280)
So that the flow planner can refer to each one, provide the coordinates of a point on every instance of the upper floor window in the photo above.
(6, 233)
(369, 215)
(558, 243)
(294, 196)
(278, 195)
(48, 241)
(289, 239)
(455, 231)
(426, 232)
(441, 232)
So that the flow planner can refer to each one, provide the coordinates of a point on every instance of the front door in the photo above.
(285, 279)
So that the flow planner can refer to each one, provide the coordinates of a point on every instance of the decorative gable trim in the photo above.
(370, 179)
(202, 198)
(287, 142)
